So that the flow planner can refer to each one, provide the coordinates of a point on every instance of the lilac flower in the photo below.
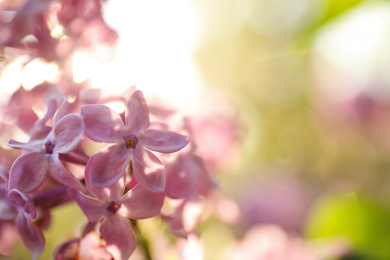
(29, 170)
(15, 205)
(19, 109)
(88, 247)
(112, 207)
(189, 180)
(109, 165)
(187, 213)
(26, 21)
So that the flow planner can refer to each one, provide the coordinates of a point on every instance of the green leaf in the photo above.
(361, 220)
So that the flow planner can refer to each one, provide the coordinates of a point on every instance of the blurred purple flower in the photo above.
(280, 200)
(270, 242)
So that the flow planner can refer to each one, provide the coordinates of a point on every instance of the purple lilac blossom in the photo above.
(110, 207)
(18, 206)
(133, 141)
(29, 170)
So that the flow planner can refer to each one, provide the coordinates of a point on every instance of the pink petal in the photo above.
(148, 170)
(24, 202)
(186, 216)
(62, 175)
(40, 128)
(68, 249)
(34, 145)
(31, 235)
(90, 95)
(176, 222)
(182, 175)
(102, 123)
(93, 208)
(28, 171)
(136, 113)
(68, 133)
(119, 236)
(7, 208)
(205, 182)
(108, 166)
(163, 141)
(140, 203)
(51, 110)
(62, 111)
(110, 193)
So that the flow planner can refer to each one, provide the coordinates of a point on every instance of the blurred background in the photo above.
(292, 100)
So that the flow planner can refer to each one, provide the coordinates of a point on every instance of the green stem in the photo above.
(141, 241)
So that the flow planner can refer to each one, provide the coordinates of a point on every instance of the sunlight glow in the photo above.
(154, 51)
(11, 75)
(118, 107)
(355, 49)
(58, 32)
(38, 71)
(83, 67)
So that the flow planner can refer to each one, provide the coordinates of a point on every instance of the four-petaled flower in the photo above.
(131, 138)
(29, 170)
(112, 207)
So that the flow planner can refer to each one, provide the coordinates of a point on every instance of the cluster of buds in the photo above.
(143, 164)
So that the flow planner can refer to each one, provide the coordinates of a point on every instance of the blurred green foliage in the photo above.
(362, 220)
(270, 75)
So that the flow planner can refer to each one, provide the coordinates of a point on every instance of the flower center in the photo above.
(49, 147)
(113, 207)
(131, 141)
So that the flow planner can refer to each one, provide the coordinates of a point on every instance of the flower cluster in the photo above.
(125, 180)
(142, 165)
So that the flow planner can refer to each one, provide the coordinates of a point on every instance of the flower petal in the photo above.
(93, 208)
(119, 236)
(140, 203)
(108, 166)
(163, 141)
(136, 113)
(28, 171)
(182, 175)
(110, 193)
(24, 202)
(62, 175)
(33, 145)
(62, 111)
(7, 208)
(67, 250)
(102, 123)
(68, 133)
(31, 235)
(148, 170)
(51, 110)
(40, 128)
